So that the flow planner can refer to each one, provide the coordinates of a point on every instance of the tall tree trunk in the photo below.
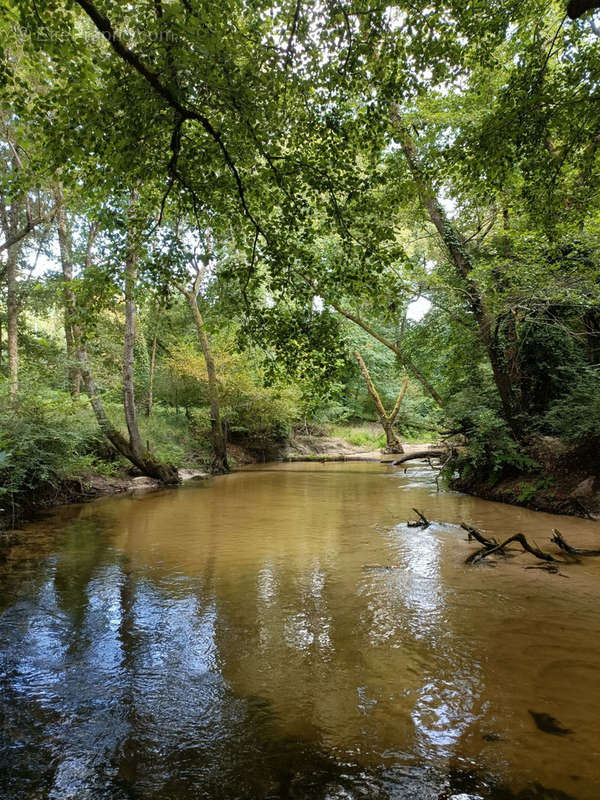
(66, 257)
(219, 460)
(131, 265)
(461, 259)
(10, 223)
(12, 321)
(150, 401)
(386, 420)
(144, 460)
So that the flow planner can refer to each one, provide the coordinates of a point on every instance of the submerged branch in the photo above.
(559, 540)
(422, 522)
(518, 537)
(475, 534)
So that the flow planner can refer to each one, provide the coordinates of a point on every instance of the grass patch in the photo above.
(370, 436)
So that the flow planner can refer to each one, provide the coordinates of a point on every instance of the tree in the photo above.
(387, 419)
(132, 448)
(218, 436)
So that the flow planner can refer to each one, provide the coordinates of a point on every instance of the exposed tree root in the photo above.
(559, 539)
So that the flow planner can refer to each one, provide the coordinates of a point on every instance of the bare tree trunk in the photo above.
(150, 401)
(66, 257)
(461, 259)
(386, 420)
(131, 262)
(219, 461)
(12, 322)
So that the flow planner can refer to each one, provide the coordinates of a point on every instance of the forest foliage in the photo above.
(208, 210)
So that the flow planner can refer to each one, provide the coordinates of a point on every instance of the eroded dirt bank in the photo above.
(567, 481)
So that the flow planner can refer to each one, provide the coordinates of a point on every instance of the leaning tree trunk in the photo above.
(403, 357)
(219, 443)
(144, 460)
(461, 259)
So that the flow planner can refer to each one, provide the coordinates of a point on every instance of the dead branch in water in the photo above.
(475, 534)
(518, 537)
(559, 539)
(422, 522)
(548, 568)
(491, 546)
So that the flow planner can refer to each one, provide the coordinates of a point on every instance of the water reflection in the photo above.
(226, 641)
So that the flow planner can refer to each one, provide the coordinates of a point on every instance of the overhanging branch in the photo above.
(104, 25)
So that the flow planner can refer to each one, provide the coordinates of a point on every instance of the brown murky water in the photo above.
(246, 638)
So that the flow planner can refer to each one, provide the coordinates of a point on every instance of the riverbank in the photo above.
(567, 481)
(563, 484)
(83, 490)
(559, 488)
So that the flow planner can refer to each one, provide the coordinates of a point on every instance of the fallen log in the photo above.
(559, 540)
(518, 537)
(432, 453)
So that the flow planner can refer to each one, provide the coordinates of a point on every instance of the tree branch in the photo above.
(577, 8)
(104, 25)
(31, 224)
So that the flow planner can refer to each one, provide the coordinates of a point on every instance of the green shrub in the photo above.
(41, 444)
(491, 453)
(575, 417)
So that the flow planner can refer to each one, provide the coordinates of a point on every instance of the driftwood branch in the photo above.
(422, 522)
(518, 537)
(559, 540)
(475, 534)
